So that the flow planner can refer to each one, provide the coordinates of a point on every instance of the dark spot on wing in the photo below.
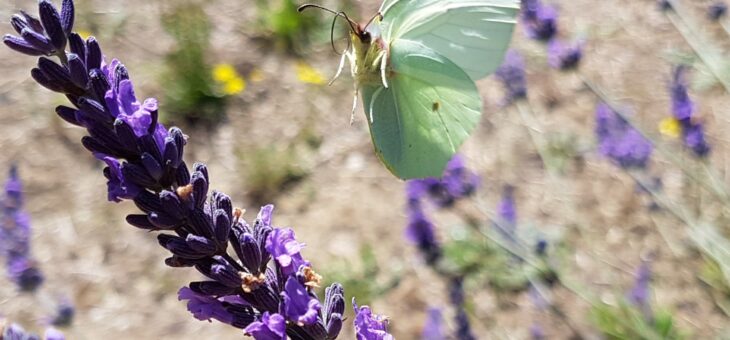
(436, 106)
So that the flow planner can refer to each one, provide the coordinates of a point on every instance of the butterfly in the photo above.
(415, 65)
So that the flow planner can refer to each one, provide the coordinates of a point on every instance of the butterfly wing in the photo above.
(421, 119)
(474, 34)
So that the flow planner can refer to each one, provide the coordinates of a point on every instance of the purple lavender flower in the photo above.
(270, 327)
(334, 309)
(370, 326)
(540, 21)
(512, 75)
(619, 141)
(47, 36)
(64, 314)
(683, 109)
(507, 212)
(204, 307)
(536, 332)
(15, 332)
(639, 295)
(22, 269)
(640, 292)
(664, 5)
(434, 326)
(682, 106)
(456, 297)
(144, 163)
(717, 11)
(286, 250)
(54, 334)
(420, 231)
(297, 304)
(564, 57)
(456, 183)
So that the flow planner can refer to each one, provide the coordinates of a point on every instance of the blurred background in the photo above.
(247, 82)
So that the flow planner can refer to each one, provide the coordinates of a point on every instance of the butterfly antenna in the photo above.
(378, 16)
(353, 25)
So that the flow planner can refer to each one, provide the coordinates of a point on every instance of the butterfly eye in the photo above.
(365, 37)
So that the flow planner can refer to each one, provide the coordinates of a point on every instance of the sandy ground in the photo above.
(115, 274)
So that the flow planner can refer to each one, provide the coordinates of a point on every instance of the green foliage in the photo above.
(270, 171)
(280, 22)
(190, 93)
(361, 281)
(627, 322)
(713, 275)
(562, 150)
(484, 261)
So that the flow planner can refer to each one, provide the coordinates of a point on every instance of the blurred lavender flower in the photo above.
(456, 183)
(420, 230)
(15, 332)
(664, 5)
(540, 21)
(619, 141)
(456, 297)
(434, 327)
(640, 293)
(54, 334)
(271, 327)
(144, 163)
(15, 237)
(507, 213)
(64, 314)
(683, 109)
(370, 326)
(536, 332)
(564, 57)
(717, 10)
(512, 75)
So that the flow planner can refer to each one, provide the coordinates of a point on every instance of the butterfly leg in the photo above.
(339, 69)
(354, 106)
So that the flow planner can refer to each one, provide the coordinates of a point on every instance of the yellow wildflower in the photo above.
(307, 74)
(234, 86)
(227, 76)
(670, 127)
(224, 72)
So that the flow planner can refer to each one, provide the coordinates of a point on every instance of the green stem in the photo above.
(532, 125)
(697, 42)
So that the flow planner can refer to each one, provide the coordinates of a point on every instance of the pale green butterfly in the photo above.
(415, 64)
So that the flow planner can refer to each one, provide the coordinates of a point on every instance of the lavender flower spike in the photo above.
(434, 327)
(15, 237)
(683, 110)
(457, 182)
(44, 36)
(564, 57)
(145, 164)
(539, 20)
(420, 230)
(512, 75)
(620, 142)
(717, 11)
(369, 326)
